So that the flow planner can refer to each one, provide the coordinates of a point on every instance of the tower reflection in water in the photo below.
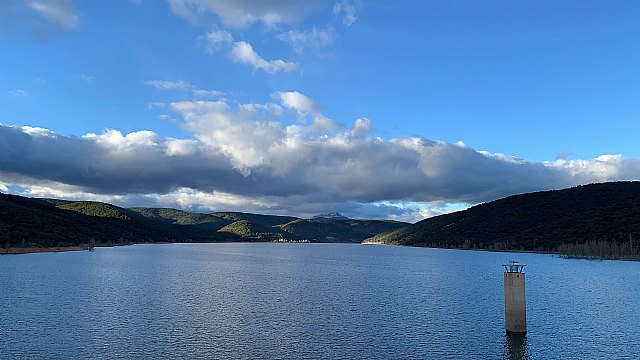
(516, 346)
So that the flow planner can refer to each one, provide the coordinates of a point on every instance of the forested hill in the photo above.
(46, 222)
(606, 213)
(28, 222)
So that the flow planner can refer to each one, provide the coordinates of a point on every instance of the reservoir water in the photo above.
(319, 301)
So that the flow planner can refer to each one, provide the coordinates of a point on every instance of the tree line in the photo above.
(601, 250)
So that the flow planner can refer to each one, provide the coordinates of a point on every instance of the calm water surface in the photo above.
(321, 301)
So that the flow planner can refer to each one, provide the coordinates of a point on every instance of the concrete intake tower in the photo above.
(515, 309)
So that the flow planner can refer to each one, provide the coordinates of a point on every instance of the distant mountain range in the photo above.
(598, 220)
(36, 222)
(606, 216)
(335, 216)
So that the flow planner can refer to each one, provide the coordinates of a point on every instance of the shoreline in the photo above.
(33, 250)
(552, 253)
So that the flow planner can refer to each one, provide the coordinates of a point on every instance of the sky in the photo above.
(373, 109)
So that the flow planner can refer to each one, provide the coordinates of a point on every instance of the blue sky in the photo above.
(462, 101)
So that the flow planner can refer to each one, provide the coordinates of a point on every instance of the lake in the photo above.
(320, 301)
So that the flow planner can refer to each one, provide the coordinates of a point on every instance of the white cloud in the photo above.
(17, 93)
(196, 200)
(243, 52)
(269, 109)
(323, 125)
(314, 39)
(156, 105)
(415, 211)
(499, 156)
(361, 128)
(114, 140)
(241, 13)
(294, 100)
(180, 85)
(169, 85)
(86, 78)
(208, 93)
(180, 147)
(601, 168)
(60, 13)
(215, 39)
(243, 141)
(38, 16)
(37, 131)
(347, 10)
(185, 9)
(63, 191)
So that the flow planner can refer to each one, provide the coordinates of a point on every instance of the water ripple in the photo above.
(309, 301)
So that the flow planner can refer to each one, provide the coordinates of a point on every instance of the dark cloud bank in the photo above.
(294, 169)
